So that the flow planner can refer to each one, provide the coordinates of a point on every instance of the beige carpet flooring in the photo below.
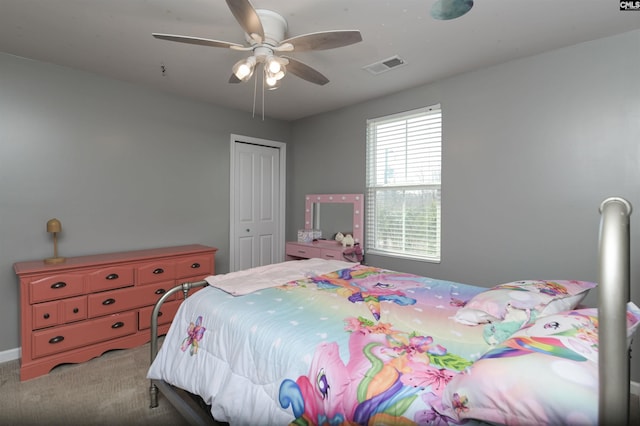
(108, 390)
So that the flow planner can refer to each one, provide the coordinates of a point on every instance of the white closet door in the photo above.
(256, 217)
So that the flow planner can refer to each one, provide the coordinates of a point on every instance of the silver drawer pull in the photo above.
(112, 277)
(195, 265)
(59, 284)
(109, 301)
(160, 291)
(56, 339)
(119, 324)
(158, 271)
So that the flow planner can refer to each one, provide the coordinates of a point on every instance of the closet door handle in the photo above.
(59, 284)
(119, 324)
(158, 271)
(112, 277)
(195, 265)
(109, 301)
(56, 339)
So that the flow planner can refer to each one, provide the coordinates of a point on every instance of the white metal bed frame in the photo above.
(184, 403)
(613, 295)
(614, 292)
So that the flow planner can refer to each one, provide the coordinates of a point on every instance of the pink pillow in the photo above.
(545, 373)
(535, 297)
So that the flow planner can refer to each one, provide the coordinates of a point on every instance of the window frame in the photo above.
(429, 188)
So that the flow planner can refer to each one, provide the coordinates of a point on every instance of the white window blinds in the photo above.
(404, 169)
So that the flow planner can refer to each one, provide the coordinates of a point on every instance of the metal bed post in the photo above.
(613, 295)
(185, 287)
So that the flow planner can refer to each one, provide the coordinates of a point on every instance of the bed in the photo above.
(330, 342)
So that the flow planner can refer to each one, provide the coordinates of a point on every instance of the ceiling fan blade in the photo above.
(322, 40)
(247, 17)
(305, 72)
(197, 40)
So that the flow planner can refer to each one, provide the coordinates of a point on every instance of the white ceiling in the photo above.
(113, 38)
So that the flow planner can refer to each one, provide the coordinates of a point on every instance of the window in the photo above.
(404, 170)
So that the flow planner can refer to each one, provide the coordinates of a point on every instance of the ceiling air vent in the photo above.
(385, 65)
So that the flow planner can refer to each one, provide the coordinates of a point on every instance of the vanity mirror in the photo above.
(332, 218)
(333, 213)
(330, 213)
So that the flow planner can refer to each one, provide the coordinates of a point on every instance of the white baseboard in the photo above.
(10, 355)
(635, 388)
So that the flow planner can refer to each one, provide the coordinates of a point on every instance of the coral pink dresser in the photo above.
(76, 310)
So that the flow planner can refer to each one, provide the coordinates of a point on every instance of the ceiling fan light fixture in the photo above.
(243, 69)
(273, 65)
(272, 83)
(277, 75)
(272, 79)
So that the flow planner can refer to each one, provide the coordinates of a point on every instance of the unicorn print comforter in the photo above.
(359, 345)
(367, 346)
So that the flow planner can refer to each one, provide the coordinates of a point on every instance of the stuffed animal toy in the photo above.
(348, 241)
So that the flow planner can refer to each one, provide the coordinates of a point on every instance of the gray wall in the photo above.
(530, 149)
(122, 167)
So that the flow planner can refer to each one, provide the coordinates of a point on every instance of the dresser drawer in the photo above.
(194, 266)
(49, 314)
(300, 250)
(66, 337)
(110, 278)
(165, 316)
(162, 270)
(74, 309)
(56, 287)
(110, 302)
(45, 315)
(331, 254)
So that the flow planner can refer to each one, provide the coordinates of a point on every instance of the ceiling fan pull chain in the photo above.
(255, 89)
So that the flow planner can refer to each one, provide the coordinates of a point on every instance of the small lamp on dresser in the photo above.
(53, 227)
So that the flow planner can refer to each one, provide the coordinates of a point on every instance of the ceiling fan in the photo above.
(265, 33)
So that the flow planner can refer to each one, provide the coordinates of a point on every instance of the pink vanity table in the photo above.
(327, 249)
